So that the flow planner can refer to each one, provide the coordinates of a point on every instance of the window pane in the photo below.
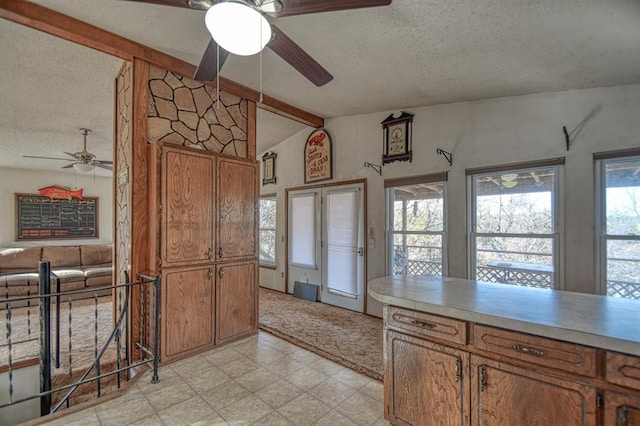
(520, 261)
(268, 213)
(623, 197)
(419, 207)
(417, 254)
(623, 269)
(515, 202)
(267, 246)
(303, 230)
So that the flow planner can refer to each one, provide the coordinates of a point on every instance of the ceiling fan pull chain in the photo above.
(218, 76)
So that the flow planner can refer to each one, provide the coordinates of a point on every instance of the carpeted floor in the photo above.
(349, 338)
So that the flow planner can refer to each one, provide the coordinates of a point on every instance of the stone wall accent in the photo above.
(122, 171)
(185, 112)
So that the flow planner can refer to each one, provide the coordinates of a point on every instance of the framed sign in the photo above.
(397, 138)
(318, 157)
(269, 168)
(41, 217)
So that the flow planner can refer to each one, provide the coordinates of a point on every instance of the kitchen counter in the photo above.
(591, 320)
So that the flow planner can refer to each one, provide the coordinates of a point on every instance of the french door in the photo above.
(326, 243)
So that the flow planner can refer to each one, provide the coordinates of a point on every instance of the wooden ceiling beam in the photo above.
(76, 31)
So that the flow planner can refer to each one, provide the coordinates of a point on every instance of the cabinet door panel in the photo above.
(425, 383)
(187, 207)
(621, 410)
(187, 319)
(237, 301)
(237, 210)
(508, 395)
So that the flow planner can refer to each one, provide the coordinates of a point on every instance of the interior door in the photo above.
(304, 232)
(343, 247)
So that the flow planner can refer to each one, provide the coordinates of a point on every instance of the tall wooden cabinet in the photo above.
(204, 217)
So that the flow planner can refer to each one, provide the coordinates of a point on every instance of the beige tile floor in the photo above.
(260, 380)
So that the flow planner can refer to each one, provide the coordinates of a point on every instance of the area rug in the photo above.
(346, 337)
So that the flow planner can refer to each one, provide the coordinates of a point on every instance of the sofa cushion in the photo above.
(102, 271)
(20, 258)
(30, 279)
(61, 256)
(96, 255)
(67, 275)
(98, 281)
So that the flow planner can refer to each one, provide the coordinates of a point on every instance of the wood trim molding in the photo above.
(513, 166)
(412, 180)
(76, 31)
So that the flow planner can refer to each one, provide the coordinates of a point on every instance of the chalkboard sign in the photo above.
(43, 218)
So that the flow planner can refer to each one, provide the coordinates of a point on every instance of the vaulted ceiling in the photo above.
(411, 53)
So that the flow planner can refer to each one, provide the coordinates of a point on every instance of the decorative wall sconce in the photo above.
(269, 168)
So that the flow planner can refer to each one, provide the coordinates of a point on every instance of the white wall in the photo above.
(29, 181)
(479, 133)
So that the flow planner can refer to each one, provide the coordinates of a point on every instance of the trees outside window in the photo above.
(619, 245)
(416, 226)
(514, 226)
(267, 231)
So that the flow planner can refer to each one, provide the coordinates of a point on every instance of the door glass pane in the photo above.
(623, 197)
(623, 268)
(267, 231)
(303, 230)
(342, 241)
(515, 202)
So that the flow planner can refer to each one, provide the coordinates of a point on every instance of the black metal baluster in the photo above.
(140, 328)
(95, 340)
(9, 337)
(57, 322)
(28, 310)
(156, 316)
(44, 275)
(70, 305)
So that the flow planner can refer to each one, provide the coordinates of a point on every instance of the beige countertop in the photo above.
(598, 321)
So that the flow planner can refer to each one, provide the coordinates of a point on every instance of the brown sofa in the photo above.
(78, 267)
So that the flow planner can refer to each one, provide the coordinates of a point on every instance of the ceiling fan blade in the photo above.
(302, 7)
(73, 155)
(48, 158)
(177, 3)
(208, 68)
(288, 50)
(96, 162)
(105, 166)
(68, 167)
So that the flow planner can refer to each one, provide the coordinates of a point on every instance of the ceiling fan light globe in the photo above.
(83, 167)
(238, 28)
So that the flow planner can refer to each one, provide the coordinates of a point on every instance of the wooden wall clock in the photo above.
(397, 138)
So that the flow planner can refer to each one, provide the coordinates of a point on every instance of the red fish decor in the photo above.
(60, 192)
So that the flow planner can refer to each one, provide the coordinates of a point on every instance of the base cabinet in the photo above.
(507, 395)
(237, 301)
(187, 323)
(425, 382)
(621, 410)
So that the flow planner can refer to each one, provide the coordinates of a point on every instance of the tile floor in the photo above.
(261, 380)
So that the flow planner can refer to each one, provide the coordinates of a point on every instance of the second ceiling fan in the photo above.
(252, 27)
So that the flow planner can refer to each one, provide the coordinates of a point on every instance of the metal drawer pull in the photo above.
(458, 370)
(423, 324)
(532, 351)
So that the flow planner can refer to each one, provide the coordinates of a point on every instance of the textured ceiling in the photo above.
(411, 53)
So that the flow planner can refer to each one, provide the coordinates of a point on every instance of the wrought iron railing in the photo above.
(111, 357)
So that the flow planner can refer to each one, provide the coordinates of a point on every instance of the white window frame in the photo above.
(602, 237)
(262, 263)
(557, 209)
(390, 233)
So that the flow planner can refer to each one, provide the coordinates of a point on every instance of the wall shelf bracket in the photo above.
(445, 154)
(375, 167)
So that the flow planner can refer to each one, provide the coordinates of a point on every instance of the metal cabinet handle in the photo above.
(423, 324)
(483, 379)
(528, 350)
(210, 273)
(220, 252)
(458, 370)
(221, 273)
(210, 253)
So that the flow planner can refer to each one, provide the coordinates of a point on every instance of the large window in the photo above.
(619, 227)
(416, 225)
(514, 230)
(267, 256)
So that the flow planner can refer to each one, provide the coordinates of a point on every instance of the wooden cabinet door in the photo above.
(237, 209)
(187, 324)
(187, 197)
(621, 410)
(507, 395)
(425, 383)
(237, 301)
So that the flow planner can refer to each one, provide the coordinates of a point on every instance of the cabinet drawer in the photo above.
(623, 370)
(426, 325)
(538, 350)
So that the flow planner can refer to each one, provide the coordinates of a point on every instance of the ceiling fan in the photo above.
(83, 161)
(257, 31)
